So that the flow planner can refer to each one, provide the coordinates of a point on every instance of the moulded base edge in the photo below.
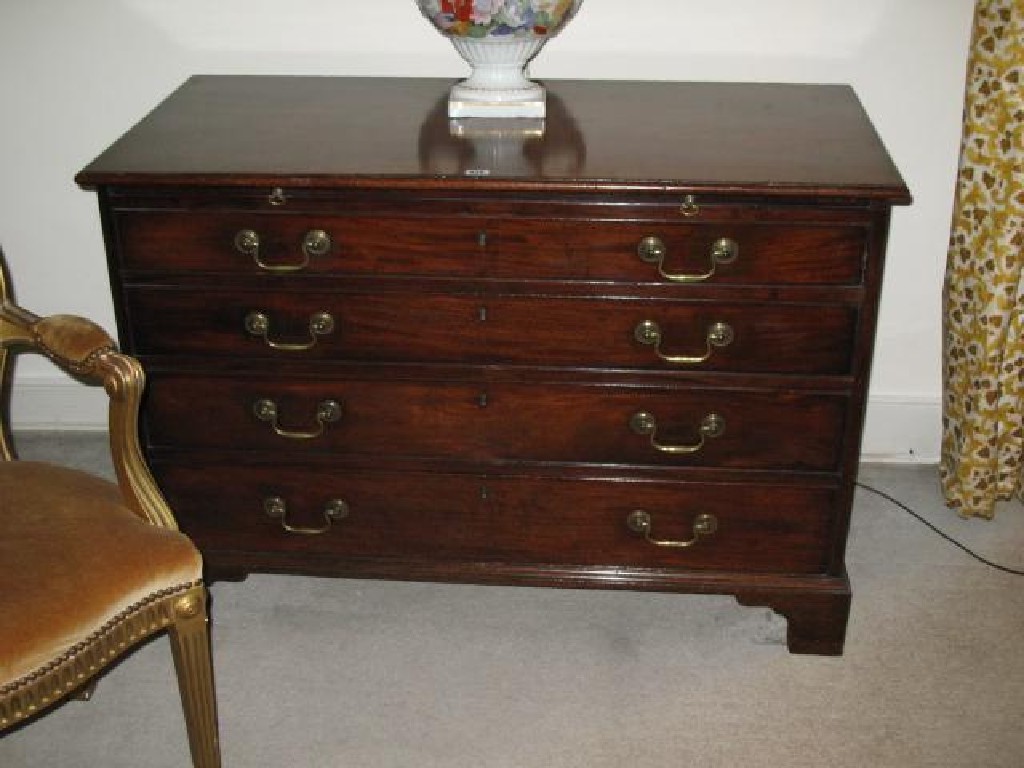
(816, 607)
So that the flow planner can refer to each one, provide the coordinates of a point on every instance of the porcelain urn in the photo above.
(498, 38)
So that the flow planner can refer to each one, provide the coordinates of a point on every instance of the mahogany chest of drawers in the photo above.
(625, 347)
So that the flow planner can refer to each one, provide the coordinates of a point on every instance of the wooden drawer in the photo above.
(500, 422)
(779, 529)
(724, 252)
(577, 249)
(525, 330)
(206, 241)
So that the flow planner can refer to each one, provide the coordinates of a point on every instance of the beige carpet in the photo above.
(317, 672)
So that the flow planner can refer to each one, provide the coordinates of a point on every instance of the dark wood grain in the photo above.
(242, 130)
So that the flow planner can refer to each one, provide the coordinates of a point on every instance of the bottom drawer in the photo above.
(502, 519)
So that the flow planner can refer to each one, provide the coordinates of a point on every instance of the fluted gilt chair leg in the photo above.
(190, 644)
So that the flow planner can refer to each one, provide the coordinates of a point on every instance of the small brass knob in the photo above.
(648, 333)
(265, 410)
(336, 509)
(321, 323)
(652, 249)
(642, 423)
(275, 506)
(316, 243)
(257, 323)
(720, 335)
(725, 250)
(247, 241)
(328, 411)
(712, 425)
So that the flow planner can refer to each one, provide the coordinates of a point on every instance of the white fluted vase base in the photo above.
(499, 85)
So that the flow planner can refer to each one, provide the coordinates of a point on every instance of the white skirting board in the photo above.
(899, 429)
(55, 403)
(902, 429)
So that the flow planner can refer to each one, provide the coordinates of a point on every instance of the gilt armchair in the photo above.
(88, 568)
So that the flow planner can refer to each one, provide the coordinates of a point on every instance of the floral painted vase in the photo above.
(498, 38)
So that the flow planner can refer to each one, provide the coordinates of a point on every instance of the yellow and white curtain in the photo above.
(983, 407)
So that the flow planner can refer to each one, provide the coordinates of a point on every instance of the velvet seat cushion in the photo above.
(73, 557)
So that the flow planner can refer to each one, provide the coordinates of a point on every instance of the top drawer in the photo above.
(724, 252)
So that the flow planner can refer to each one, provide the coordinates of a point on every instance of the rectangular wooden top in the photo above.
(735, 138)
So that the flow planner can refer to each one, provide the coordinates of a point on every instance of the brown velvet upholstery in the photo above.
(74, 557)
(74, 339)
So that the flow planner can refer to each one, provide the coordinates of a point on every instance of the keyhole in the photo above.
(483, 314)
(482, 400)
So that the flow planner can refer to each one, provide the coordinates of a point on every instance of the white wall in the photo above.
(74, 75)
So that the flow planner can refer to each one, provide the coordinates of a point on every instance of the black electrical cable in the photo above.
(946, 536)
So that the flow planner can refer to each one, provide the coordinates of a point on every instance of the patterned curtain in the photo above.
(983, 403)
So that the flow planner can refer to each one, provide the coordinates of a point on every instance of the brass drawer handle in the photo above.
(320, 324)
(643, 423)
(335, 509)
(315, 243)
(652, 250)
(648, 332)
(327, 412)
(639, 521)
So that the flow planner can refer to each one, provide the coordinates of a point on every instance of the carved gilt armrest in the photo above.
(86, 351)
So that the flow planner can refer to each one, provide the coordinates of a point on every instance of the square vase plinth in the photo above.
(466, 101)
